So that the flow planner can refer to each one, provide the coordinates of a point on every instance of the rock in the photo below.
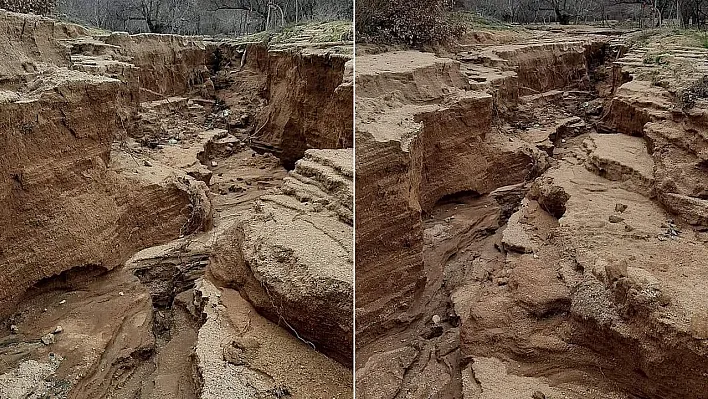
(172, 141)
(48, 339)
(58, 330)
(200, 172)
(147, 163)
(538, 395)
(515, 237)
(616, 270)
(607, 311)
(693, 210)
(552, 198)
(436, 319)
(433, 332)
(63, 301)
(615, 219)
(570, 127)
(14, 329)
(509, 199)
(214, 164)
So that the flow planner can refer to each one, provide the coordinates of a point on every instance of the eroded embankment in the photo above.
(132, 200)
(307, 98)
(507, 250)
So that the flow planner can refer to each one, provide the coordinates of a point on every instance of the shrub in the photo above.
(696, 91)
(414, 22)
(42, 7)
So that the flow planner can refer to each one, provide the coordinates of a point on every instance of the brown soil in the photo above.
(529, 223)
(134, 171)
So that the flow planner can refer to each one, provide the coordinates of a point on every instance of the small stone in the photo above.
(628, 227)
(502, 280)
(172, 141)
(14, 329)
(616, 219)
(58, 330)
(63, 301)
(48, 339)
(538, 395)
(214, 164)
(147, 163)
(436, 319)
(434, 332)
(120, 293)
(562, 140)
(620, 207)
(616, 270)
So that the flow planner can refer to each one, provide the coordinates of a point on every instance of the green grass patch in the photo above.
(703, 40)
(657, 59)
(475, 21)
(693, 37)
(312, 32)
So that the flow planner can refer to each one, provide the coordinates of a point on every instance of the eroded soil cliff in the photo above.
(531, 219)
(141, 179)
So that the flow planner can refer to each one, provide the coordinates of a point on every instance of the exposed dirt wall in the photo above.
(63, 205)
(309, 101)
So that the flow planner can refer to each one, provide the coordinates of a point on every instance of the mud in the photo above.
(135, 171)
(530, 220)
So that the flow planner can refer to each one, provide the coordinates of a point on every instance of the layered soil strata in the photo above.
(291, 255)
(127, 163)
(537, 247)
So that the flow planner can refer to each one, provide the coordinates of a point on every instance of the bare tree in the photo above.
(233, 17)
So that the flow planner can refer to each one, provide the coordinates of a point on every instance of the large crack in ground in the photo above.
(546, 284)
(165, 160)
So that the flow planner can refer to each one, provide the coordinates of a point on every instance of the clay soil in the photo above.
(530, 244)
(145, 306)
